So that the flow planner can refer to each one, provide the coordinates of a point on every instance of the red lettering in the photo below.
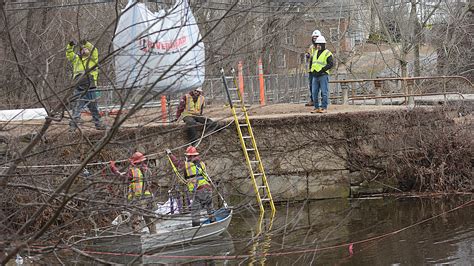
(146, 45)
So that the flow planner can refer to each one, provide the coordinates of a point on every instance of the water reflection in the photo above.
(218, 246)
(261, 240)
(203, 252)
(381, 231)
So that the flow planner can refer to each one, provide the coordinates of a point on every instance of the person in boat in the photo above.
(197, 181)
(138, 176)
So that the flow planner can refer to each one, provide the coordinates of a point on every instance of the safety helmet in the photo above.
(316, 33)
(191, 150)
(137, 157)
(199, 89)
(320, 39)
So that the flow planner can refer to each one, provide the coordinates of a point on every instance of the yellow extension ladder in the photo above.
(249, 147)
(262, 237)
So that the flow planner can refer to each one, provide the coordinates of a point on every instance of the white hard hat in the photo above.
(199, 89)
(320, 39)
(316, 33)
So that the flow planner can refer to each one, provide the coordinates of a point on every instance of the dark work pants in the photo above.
(192, 122)
(82, 99)
(145, 203)
(202, 199)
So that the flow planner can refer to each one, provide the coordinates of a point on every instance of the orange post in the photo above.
(241, 79)
(163, 109)
(262, 82)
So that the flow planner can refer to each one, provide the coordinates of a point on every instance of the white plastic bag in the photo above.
(165, 208)
(160, 49)
(22, 114)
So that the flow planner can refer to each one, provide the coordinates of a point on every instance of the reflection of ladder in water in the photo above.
(262, 240)
(249, 147)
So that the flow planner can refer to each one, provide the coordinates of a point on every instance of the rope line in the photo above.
(278, 254)
(150, 156)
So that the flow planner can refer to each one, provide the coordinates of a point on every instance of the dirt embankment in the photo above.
(408, 147)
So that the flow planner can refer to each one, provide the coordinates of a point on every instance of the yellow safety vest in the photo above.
(319, 63)
(193, 108)
(81, 65)
(198, 172)
(311, 50)
(136, 186)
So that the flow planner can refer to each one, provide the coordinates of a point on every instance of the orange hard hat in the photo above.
(137, 157)
(191, 150)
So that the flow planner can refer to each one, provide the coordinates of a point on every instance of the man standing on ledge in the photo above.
(321, 63)
(85, 72)
(309, 57)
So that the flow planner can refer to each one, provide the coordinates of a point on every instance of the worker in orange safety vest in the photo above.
(190, 108)
(138, 176)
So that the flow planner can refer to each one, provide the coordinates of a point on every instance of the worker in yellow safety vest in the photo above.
(138, 176)
(321, 63)
(198, 183)
(309, 57)
(190, 108)
(85, 73)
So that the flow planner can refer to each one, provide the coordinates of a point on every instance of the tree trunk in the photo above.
(373, 17)
(403, 70)
(416, 40)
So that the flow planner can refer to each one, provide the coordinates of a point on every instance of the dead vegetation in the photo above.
(423, 154)
(49, 205)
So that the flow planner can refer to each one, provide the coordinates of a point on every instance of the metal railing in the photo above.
(294, 88)
(406, 90)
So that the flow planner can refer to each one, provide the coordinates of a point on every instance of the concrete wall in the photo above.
(305, 156)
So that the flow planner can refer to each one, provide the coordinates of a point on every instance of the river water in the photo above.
(372, 231)
(375, 231)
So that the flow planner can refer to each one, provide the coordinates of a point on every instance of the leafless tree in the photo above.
(48, 196)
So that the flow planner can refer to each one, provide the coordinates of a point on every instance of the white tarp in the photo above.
(165, 208)
(159, 49)
(22, 114)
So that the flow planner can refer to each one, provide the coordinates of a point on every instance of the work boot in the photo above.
(100, 126)
(315, 110)
(321, 110)
(152, 228)
(74, 123)
(72, 129)
(310, 103)
(212, 219)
